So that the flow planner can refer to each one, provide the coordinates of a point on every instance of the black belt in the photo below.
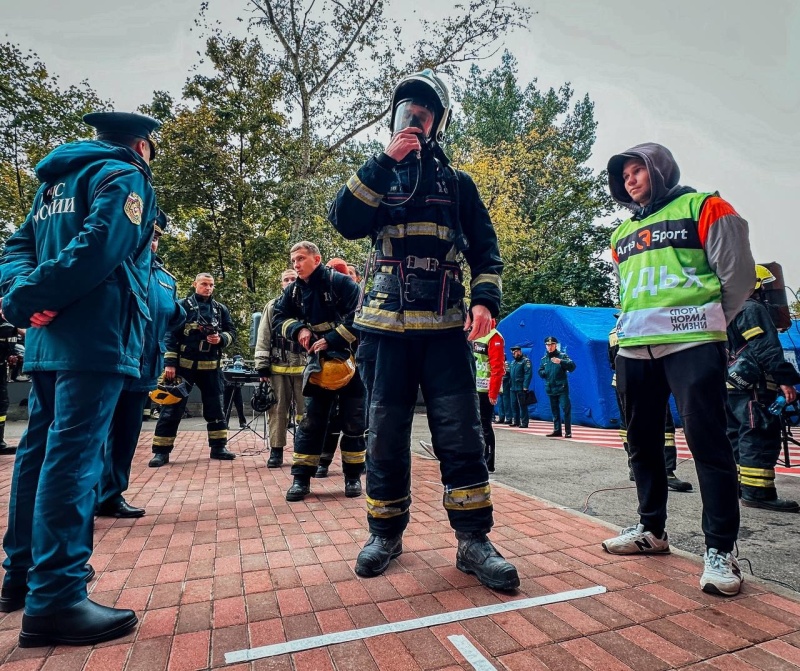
(443, 290)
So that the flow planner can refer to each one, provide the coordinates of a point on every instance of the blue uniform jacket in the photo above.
(521, 373)
(84, 251)
(555, 374)
(166, 314)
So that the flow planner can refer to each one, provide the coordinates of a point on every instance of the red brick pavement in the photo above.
(221, 562)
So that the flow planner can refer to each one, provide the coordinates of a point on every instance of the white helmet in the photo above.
(428, 90)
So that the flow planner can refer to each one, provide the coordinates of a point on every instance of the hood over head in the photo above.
(75, 155)
(661, 166)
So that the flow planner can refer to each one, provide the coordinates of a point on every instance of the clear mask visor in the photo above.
(410, 113)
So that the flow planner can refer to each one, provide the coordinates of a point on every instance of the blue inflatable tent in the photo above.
(583, 332)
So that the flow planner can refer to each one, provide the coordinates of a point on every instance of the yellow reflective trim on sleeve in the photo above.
(216, 435)
(286, 326)
(342, 331)
(487, 278)
(749, 334)
(3, 418)
(163, 441)
(305, 459)
(323, 327)
(363, 193)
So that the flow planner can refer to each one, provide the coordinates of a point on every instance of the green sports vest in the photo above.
(480, 350)
(668, 292)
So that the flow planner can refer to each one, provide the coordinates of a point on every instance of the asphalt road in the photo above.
(594, 480)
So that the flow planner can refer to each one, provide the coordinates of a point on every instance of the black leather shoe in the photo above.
(322, 472)
(222, 454)
(678, 485)
(352, 488)
(567, 435)
(513, 424)
(776, 504)
(376, 554)
(299, 490)
(477, 555)
(554, 434)
(122, 509)
(6, 449)
(275, 457)
(13, 598)
(158, 460)
(85, 623)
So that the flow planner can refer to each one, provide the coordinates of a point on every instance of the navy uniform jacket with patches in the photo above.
(166, 314)
(753, 332)
(405, 299)
(187, 346)
(325, 304)
(555, 374)
(521, 371)
(84, 251)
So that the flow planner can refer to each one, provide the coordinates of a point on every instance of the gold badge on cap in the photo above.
(133, 208)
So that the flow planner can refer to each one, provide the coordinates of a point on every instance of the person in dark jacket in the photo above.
(317, 311)
(553, 369)
(165, 314)
(521, 374)
(9, 338)
(754, 431)
(194, 353)
(76, 276)
(422, 217)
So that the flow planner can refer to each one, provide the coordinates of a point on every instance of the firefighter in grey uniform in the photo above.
(758, 365)
(423, 217)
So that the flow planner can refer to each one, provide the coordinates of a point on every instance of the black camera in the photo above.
(208, 329)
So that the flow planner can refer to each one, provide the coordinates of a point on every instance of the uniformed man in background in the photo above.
(8, 339)
(194, 353)
(76, 276)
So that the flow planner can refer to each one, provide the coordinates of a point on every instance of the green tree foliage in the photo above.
(527, 150)
(37, 113)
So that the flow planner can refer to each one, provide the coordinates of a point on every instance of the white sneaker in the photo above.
(722, 574)
(635, 540)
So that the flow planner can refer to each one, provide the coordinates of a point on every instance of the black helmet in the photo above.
(170, 392)
(263, 398)
(426, 89)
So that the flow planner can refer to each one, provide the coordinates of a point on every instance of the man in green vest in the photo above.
(685, 269)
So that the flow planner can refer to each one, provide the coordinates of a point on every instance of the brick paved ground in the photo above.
(221, 562)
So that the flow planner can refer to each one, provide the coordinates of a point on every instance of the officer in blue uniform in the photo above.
(76, 276)
(9, 337)
(423, 217)
(165, 314)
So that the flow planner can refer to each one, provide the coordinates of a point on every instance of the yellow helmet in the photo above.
(763, 276)
(169, 392)
(334, 373)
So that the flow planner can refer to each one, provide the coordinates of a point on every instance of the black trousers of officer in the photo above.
(487, 413)
(755, 434)
(696, 377)
(519, 409)
(210, 384)
(310, 435)
(561, 405)
(443, 366)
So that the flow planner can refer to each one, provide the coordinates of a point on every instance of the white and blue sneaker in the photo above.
(635, 541)
(722, 574)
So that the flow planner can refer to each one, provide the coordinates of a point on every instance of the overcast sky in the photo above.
(717, 81)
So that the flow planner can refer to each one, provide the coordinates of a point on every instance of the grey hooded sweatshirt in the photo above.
(727, 244)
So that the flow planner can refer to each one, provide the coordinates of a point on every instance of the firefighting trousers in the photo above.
(487, 412)
(120, 447)
(210, 384)
(519, 408)
(696, 377)
(755, 434)
(310, 435)
(332, 435)
(287, 388)
(51, 505)
(443, 367)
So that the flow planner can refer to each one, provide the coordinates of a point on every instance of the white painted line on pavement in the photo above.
(249, 655)
(471, 654)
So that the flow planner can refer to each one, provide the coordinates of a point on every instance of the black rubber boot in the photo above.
(322, 472)
(678, 485)
(275, 457)
(376, 554)
(477, 555)
(300, 488)
(158, 460)
(352, 488)
(222, 454)
(767, 498)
